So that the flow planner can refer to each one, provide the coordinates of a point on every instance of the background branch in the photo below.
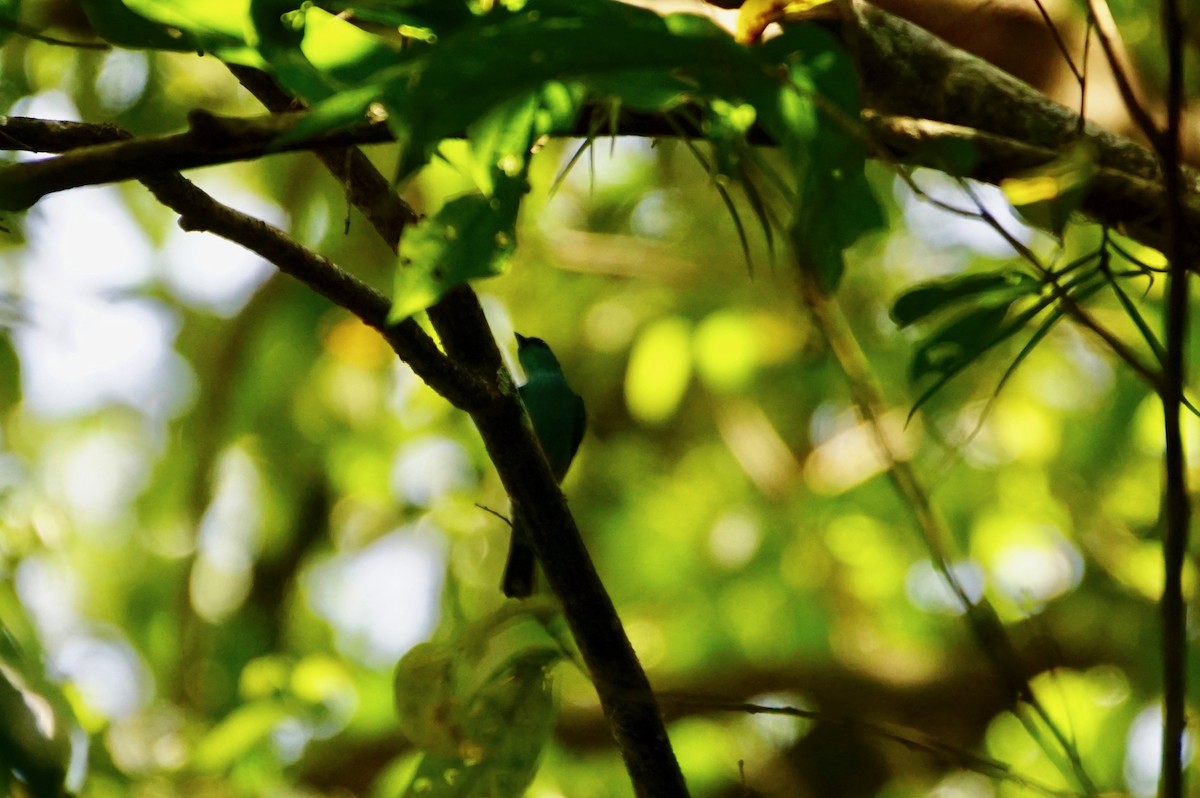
(1177, 501)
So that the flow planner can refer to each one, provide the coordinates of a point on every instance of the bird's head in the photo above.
(535, 354)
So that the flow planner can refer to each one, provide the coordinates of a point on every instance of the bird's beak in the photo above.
(521, 339)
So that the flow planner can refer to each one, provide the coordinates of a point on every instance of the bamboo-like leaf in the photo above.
(761, 212)
(723, 192)
(1136, 317)
(930, 298)
(970, 351)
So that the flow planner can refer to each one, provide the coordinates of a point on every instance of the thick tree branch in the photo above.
(209, 140)
(621, 684)
(1130, 203)
(366, 189)
(199, 212)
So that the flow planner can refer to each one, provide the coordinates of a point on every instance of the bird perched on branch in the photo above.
(558, 420)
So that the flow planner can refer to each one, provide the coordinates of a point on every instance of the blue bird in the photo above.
(558, 420)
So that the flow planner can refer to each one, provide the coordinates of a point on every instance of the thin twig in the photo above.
(1058, 42)
(1106, 32)
(1076, 311)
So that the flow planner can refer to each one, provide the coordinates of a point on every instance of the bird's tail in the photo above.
(518, 571)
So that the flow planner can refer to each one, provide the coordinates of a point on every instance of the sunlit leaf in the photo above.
(472, 236)
(217, 27)
(10, 12)
(342, 51)
(511, 720)
(598, 44)
(467, 239)
(10, 375)
(1048, 195)
(316, 54)
(345, 109)
(500, 144)
(433, 17)
(815, 122)
(660, 368)
(113, 20)
(726, 126)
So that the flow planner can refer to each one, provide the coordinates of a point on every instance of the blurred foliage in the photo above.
(227, 512)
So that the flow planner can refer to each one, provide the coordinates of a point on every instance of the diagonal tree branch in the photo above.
(621, 684)
(200, 212)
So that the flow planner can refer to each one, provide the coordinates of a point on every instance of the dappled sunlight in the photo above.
(927, 589)
(228, 538)
(846, 452)
(852, 455)
(942, 229)
(401, 571)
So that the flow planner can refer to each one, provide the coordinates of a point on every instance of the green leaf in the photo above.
(116, 23)
(510, 722)
(278, 31)
(932, 297)
(725, 127)
(477, 700)
(1082, 292)
(507, 55)
(500, 145)
(1137, 318)
(426, 687)
(343, 110)
(467, 239)
(1049, 194)
(644, 90)
(472, 236)
(955, 345)
(423, 18)
(10, 12)
(10, 375)
(815, 119)
(961, 342)
(217, 26)
(342, 51)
